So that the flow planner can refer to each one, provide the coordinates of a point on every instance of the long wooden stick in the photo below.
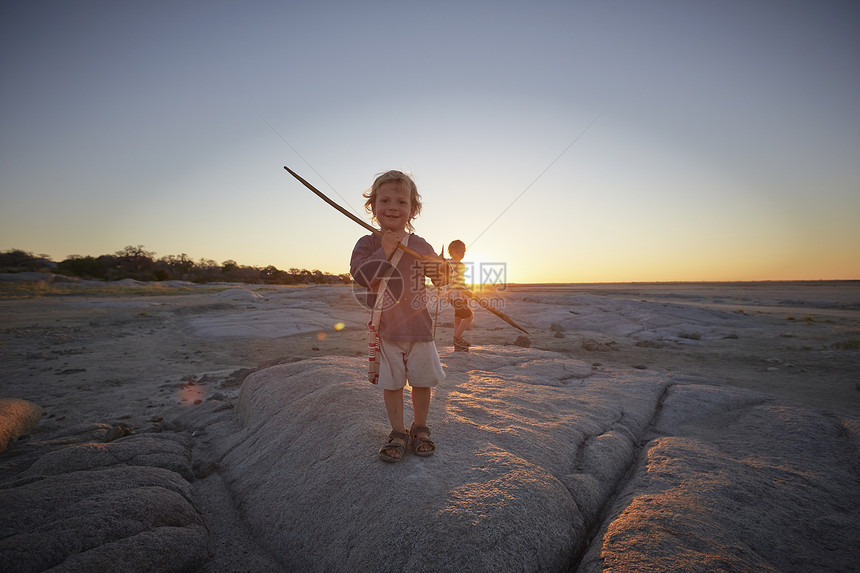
(438, 292)
(483, 303)
(370, 228)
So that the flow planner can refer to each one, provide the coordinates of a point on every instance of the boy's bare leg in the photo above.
(465, 324)
(460, 326)
(394, 407)
(421, 405)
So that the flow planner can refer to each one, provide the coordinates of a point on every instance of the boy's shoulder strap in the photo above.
(395, 258)
(383, 283)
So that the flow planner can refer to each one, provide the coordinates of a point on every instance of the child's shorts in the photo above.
(461, 308)
(463, 312)
(417, 362)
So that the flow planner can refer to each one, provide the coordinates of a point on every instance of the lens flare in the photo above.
(191, 394)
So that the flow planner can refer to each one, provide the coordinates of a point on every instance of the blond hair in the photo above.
(406, 183)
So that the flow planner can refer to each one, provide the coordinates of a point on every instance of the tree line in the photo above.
(135, 262)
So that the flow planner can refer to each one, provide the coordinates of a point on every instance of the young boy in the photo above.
(463, 315)
(407, 349)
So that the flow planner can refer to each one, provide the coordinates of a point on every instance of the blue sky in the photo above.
(571, 141)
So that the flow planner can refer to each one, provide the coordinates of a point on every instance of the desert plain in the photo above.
(264, 382)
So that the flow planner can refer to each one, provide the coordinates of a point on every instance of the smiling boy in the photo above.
(407, 349)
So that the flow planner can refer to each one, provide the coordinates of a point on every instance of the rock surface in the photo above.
(554, 468)
(613, 462)
(735, 481)
(86, 505)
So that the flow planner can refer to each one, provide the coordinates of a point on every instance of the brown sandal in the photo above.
(418, 441)
(401, 448)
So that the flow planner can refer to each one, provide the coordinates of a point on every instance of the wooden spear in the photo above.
(483, 303)
(438, 292)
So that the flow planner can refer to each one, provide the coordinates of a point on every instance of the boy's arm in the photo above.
(437, 270)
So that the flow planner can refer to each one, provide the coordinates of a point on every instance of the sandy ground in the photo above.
(798, 340)
(138, 358)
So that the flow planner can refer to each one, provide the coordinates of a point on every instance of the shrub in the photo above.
(16, 261)
(850, 344)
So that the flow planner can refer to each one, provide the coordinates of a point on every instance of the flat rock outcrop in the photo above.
(544, 464)
(90, 500)
(735, 481)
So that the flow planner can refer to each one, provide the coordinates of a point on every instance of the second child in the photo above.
(463, 315)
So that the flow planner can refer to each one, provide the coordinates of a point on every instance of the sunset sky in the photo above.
(589, 141)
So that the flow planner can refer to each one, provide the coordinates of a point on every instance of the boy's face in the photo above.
(457, 253)
(393, 206)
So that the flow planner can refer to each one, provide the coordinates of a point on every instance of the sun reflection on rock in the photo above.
(191, 394)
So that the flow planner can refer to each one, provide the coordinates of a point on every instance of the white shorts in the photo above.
(417, 362)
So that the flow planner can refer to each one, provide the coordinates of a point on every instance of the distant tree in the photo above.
(138, 254)
(138, 263)
(180, 267)
(134, 262)
(207, 270)
(16, 260)
(273, 275)
(84, 267)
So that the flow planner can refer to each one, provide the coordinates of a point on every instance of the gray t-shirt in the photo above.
(405, 317)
